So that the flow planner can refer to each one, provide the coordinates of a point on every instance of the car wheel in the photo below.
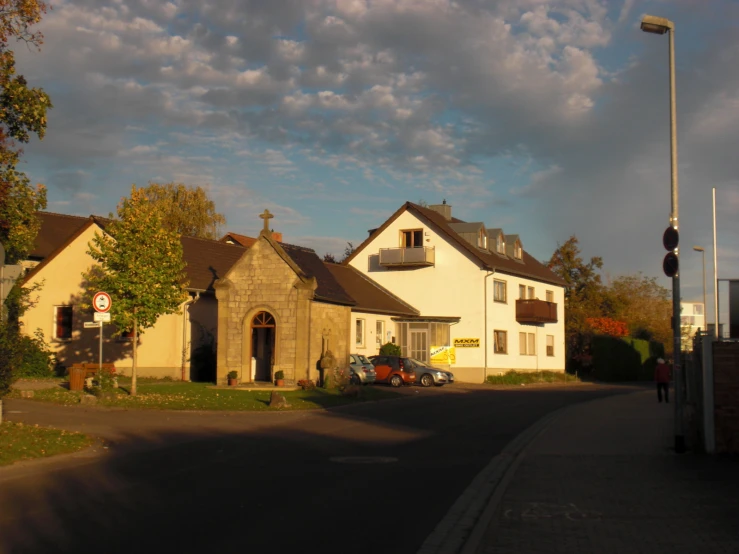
(427, 380)
(396, 381)
(355, 380)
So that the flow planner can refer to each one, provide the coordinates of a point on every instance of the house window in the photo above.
(527, 344)
(360, 333)
(550, 296)
(532, 293)
(499, 291)
(500, 244)
(412, 238)
(550, 345)
(126, 336)
(697, 309)
(482, 239)
(517, 251)
(379, 333)
(63, 317)
(522, 292)
(500, 342)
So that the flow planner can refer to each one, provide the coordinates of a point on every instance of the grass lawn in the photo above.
(26, 442)
(527, 378)
(174, 395)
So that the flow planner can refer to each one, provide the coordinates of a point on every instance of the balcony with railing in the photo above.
(421, 256)
(536, 311)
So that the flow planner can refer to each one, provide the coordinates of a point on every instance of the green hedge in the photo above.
(624, 359)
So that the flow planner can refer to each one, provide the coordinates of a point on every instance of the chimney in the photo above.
(443, 209)
(276, 236)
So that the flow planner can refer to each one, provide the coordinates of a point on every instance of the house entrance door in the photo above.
(419, 345)
(263, 345)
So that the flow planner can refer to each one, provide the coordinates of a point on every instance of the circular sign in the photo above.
(671, 238)
(670, 264)
(101, 302)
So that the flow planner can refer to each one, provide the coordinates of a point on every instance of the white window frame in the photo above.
(550, 296)
(380, 332)
(499, 348)
(360, 329)
(531, 293)
(550, 347)
(522, 292)
(496, 285)
(55, 336)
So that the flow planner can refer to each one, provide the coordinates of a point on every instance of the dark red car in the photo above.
(395, 370)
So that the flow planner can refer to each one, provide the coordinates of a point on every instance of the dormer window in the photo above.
(500, 244)
(482, 239)
(517, 251)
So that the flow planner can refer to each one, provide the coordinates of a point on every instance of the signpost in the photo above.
(102, 303)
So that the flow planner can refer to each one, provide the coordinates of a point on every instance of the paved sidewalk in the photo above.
(602, 479)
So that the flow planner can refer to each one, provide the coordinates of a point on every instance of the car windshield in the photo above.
(363, 359)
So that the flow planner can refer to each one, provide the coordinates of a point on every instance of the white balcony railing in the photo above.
(407, 257)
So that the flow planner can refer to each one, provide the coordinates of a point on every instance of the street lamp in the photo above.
(660, 26)
(703, 255)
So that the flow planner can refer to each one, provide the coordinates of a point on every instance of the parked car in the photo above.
(427, 375)
(395, 370)
(361, 370)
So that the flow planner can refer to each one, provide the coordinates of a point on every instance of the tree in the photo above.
(141, 267)
(186, 210)
(22, 114)
(348, 251)
(644, 305)
(584, 292)
(328, 257)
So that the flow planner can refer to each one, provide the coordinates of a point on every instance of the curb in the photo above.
(461, 529)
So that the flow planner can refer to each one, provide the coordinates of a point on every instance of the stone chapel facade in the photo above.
(279, 309)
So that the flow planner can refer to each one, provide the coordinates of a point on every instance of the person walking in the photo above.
(662, 378)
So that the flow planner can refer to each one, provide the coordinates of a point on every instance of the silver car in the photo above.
(361, 370)
(427, 375)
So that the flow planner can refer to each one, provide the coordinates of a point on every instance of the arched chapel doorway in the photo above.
(263, 345)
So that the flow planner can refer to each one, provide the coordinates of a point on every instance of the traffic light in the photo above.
(670, 240)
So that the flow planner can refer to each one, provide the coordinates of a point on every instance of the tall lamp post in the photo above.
(705, 314)
(660, 26)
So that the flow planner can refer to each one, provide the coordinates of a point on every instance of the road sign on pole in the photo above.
(92, 324)
(101, 316)
(101, 302)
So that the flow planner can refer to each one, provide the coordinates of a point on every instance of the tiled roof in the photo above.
(531, 268)
(208, 260)
(312, 266)
(242, 240)
(54, 232)
(368, 295)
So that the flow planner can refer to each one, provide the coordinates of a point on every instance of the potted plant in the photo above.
(280, 378)
(233, 378)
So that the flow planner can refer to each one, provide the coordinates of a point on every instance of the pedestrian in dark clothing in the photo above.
(662, 378)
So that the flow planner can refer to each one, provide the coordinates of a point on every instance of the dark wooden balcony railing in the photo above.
(407, 257)
(536, 311)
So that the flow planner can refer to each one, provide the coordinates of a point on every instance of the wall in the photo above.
(726, 396)
(370, 346)
(160, 348)
(455, 286)
(329, 324)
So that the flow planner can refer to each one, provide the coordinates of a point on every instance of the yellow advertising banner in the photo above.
(467, 343)
(443, 355)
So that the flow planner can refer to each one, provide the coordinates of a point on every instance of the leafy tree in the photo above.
(330, 258)
(141, 267)
(644, 305)
(348, 251)
(186, 210)
(22, 114)
(584, 291)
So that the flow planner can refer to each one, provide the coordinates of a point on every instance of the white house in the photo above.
(485, 306)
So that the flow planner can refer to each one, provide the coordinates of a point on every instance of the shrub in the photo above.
(36, 358)
(232, 374)
(279, 374)
(10, 356)
(390, 349)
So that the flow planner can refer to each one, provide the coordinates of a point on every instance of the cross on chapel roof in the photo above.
(266, 216)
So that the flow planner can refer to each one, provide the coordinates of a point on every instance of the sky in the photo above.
(544, 118)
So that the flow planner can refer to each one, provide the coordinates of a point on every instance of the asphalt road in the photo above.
(273, 482)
